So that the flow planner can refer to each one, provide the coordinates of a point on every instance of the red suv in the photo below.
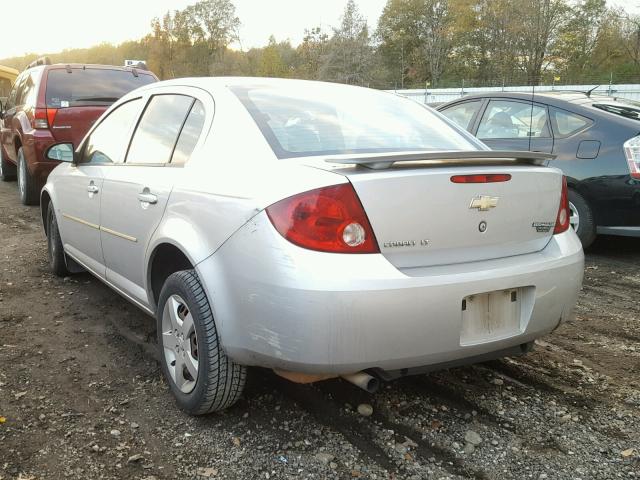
(55, 103)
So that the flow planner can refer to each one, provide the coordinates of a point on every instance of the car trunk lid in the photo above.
(422, 218)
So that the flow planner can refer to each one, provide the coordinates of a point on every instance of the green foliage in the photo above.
(417, 42)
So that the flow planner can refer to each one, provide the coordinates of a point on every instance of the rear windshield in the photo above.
(91, 86)
(624, 108)
(306, 120)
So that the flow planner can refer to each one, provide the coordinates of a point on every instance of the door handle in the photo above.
(146, 197)
(92, 189)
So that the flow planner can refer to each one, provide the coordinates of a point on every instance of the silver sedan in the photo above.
(315, 229)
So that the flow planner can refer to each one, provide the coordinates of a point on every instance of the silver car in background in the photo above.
(316, 229)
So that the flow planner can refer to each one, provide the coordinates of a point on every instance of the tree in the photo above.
(537, 33)
(271, 63)
(436, 35)
(581, 34)
(312, 54)
(398, 34)
(350, 51)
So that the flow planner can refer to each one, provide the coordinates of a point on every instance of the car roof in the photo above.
(553, 98)
(230, 82)
(56, 66)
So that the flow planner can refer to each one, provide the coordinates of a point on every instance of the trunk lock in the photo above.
(482, 227)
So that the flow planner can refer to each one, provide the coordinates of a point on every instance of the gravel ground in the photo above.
(81, 393)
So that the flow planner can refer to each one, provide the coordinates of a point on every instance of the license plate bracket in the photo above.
(491, 316)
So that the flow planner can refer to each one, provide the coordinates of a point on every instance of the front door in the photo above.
(80, 192)
(516, 125)
(78, 214)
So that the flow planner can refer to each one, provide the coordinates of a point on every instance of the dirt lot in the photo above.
(82, 395)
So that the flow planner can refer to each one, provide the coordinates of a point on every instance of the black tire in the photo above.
(57, 257)
(586, 227)
(7, 170)
(27, 188)
(220, 381)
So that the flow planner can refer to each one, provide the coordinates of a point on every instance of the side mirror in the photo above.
(61, 152)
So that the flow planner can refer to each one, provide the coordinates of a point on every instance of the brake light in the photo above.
(329, 219)
(562, 220)
(43, 117)
(632, 152)
(481, 178)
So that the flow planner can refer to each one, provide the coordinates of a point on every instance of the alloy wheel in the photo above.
(180, 343)
(574, 216)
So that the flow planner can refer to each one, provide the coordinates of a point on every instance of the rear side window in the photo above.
(108, 142)
(190, 134)
(91, 86)
(462, 114)
(568, 123)
(157, 133)
(510, 119)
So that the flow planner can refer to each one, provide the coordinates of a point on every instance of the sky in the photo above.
(61, 24)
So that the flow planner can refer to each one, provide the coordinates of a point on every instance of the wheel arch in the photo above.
(45, 201)
(165, 258)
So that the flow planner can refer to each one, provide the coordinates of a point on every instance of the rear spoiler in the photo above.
(463, 157)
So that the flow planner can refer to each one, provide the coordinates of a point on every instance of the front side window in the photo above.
(462, 113)
(158, 130)
(300, 121)
(567, 123)
(108, 142)
(510, 119)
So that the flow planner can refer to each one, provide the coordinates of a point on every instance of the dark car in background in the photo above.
(595, 141)
(51, 104)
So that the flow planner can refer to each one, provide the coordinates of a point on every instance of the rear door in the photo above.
(79, 192)
(77, 96)
(136, 193)
(515, 125)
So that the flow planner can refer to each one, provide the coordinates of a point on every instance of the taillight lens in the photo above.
(329, 219)
(632, 152)
(562, 220)
(43, 117)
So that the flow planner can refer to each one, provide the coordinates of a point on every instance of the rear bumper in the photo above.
(280, 306)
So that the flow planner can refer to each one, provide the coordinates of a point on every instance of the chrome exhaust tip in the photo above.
(364, 381)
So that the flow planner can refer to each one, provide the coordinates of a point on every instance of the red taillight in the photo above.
(43, 117)
(562, 220)
(481, 178)
(329, 219)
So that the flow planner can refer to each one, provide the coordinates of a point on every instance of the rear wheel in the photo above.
(200, 375)
(57, 259)
(7, 170)
(581, 218)
(27, 188)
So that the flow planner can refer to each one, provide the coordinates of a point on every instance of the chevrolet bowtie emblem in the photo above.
(484, 202)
